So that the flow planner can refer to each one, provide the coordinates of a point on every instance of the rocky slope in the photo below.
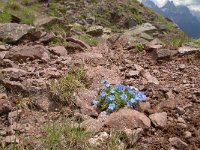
(50, 72)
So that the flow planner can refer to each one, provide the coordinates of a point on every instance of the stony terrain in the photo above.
(49, 77)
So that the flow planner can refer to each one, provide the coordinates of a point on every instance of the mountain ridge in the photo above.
(180, 14)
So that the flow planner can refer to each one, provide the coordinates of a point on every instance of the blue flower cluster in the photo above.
(114, 97)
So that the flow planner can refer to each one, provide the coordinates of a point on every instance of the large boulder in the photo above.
(127, 118)
(28, 52)
(12, 32)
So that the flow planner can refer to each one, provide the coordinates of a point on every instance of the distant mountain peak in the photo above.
(169, 4)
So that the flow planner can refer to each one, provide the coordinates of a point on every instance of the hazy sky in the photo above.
(192, 4)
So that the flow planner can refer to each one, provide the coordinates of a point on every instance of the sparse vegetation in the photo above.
(26, 14)
(92, 41)
(56, 9)
(117, 137)
(196, 41)
(65, 136)
(139, 47)
(63, 89)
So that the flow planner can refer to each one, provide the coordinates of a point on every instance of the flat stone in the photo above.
(14, 116)
(127, 119)
(5, 106)
(3, 48)
(133, 73)
(159, 119)
(3, 54)
(12, 32)
(178, 143)
(28, 52)
(95, 30)
(11, 139)
(58, 50)
(188, 50)
(164, 53)
(149, 77)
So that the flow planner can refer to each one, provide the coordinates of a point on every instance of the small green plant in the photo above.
(175, 43)
(92, 41)
(53, 135)
(114, 97)
(64, 136)
(139, 47)
(76, 136)
(27, 14)
(5, 17)
(196, 41)
(65, 87)
(56, 9)
(117, 137)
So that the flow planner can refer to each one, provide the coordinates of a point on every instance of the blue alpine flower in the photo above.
(103, 94)
(94, 102)
(103, 81)
(123, 97)
(131, 101)
(119, 87)
(111, 107)
(113, 90)
(110, 98)
(139, 95)
(131, 88)
(107, 85)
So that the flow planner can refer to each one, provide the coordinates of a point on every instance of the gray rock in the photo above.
(83, 101)
(12, 32)
(14, 71)
(159, 119)
(47, 20)
(133, 73)
(95, 30)
(144, 28)
(99, 139)
(28, 52)
(11, 139)
(3, 48)
(127, 119)
(14, 116)
(178, 143)
(188, 134)
(188, 50)
(149, 77)
(58, 50)
(5, 106)
(164, 53)
(133, 135)
(3, 54)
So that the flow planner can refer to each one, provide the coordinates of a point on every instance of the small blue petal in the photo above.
(103, 94)
(119, 87)
(113, 90)
(107, 85)
(111, 106)
(110, 98)
(103, 81)
(123, 97)
(94, 102)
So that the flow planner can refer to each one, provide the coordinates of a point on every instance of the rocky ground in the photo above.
(34, 74)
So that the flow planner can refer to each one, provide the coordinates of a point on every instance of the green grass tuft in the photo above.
(64, 136)
(196, 41)
(139, 47)
(64, 88)
(27, 14)
(92, 41)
